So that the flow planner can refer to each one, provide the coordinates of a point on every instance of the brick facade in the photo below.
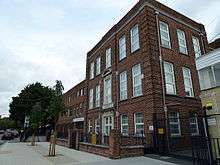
(71, 122)
(146, 14)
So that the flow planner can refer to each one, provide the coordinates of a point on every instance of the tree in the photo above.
(55, 108)
(36, 119)
(22, 104)
(6, 123)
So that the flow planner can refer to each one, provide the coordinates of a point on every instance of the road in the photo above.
(24, 154)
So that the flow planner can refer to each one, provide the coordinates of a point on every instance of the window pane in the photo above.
(137, 83)
(98, 63)
(92, 70)
(123, 85)
(182, 41)
(91, 98)
(108, 58)
(122, 48)
(107, 91)
(196, 46)
(174, 123)
(164, 35)
(169, 78)
(134, 38)
(188, 82)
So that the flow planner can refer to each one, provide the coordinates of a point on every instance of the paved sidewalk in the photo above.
(24, 154)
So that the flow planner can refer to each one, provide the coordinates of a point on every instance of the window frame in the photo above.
(190, 80)
(92, 65)
(108, 125)
(106, 102)
(197, 53)
(97, 125)
(98, 66)
(97, 96)
(121, 83)
(90, 126)
(122, 47)
(133, 80)
(124, 124)
(175, 123)
(132, 37)
(173, 77)
(108, 58)
(196, 123)
(167, 31)
(184, 44)
(135, 123)
(91, 98)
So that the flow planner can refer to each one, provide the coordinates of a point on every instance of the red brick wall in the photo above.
(74, 103)
(95, 149)
(148, 56)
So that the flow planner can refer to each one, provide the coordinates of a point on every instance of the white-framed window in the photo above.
(90, 126)
(165, 35)
(123, 85)
(134, 33)
(97, 96)
(98, 66)
(193, 122)
(196, 46)
(107, 90)
(90, 98)
(188, 82)
(174, 122)
(108, 58)
(139, 124)
(122, 47)
(182, 41)
(92, 70)
(124, 124)
(137, 80)
(108, 124)
(169, 78)
(81, 91)
(97, 126)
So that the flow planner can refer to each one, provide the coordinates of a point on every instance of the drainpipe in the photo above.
(162, 80)
(117, 115)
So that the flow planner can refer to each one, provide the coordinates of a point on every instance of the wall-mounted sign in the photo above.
(151, 128)
(93, 138)
(161, 131)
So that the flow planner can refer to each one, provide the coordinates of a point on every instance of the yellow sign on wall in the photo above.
(93, 138)
(160, 131)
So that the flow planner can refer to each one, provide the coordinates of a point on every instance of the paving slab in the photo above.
(24, 154)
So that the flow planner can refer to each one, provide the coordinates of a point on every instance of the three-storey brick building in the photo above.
(141, 80)
(142, 71)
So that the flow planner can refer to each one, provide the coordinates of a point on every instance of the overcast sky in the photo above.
(45, 40)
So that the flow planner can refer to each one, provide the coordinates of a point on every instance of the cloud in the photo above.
(45, 40)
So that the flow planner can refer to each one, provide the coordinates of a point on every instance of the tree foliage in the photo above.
(6, 123)
(56, 103)
(27, 98)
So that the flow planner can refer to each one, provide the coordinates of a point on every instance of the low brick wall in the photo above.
(62, 142)
(94, 149)
(131, 151)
